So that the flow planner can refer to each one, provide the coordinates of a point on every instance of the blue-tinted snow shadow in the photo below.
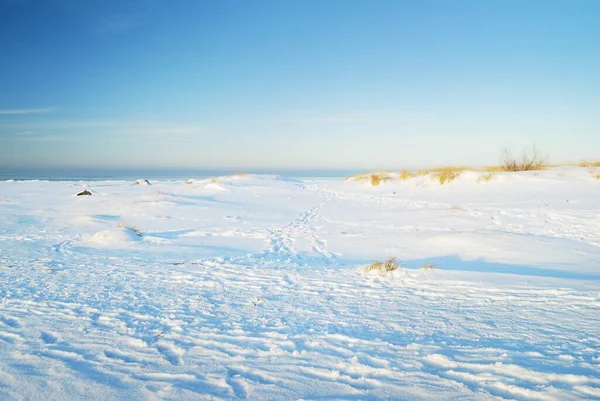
(201, 198)
(453, 262)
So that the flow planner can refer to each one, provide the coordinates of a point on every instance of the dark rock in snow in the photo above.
(84, 193)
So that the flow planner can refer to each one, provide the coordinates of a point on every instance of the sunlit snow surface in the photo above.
(251, 287)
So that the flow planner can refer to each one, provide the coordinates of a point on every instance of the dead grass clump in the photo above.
(596, 174)
(428, 266)
(493, 169)
(486, 177)
(405, 175)
(589, 163)
(446, 176)
(378, 178)
(383, 267)
(530, 159)
(374, 178)
(441, 170)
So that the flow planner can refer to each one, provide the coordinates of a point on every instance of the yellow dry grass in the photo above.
(383, 267)
(493, 169)
(596, 174)
(589, 163)
(442, 170)
(405, 175)
(374, 178)
(377, 179)
(446, 176)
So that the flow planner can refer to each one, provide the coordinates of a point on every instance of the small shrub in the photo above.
(383, 267)
(486, 177)
(532, 159)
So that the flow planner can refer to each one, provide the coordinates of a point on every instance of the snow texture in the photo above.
(252, 287)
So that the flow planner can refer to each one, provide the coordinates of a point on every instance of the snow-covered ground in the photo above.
(251, 287)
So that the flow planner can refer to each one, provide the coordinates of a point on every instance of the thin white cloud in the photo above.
(355, 118)
(8, 112)
(120, 131)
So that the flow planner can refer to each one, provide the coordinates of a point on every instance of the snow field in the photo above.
(251, 287)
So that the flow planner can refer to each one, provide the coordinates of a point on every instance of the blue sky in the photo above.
(296, 84)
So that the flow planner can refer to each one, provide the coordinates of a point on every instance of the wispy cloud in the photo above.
(8, 112)
(114, 131)
(353, 118)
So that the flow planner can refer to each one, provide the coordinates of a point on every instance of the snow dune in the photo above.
(251, 287)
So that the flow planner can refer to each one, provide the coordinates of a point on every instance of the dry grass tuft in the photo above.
(446, 176)
(531, 159)
(383, 268)
(589, 163)
(428, 266)
(458, 169)
(596, 174)
(375, 178)
(493, 169)
(405, 175)
(486, 177)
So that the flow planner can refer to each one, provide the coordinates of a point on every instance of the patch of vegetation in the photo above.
(589, 163)
(446, 176)
(405, 175)
(383, 268)
(428, 266)
(486, 177)
(374, 178)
